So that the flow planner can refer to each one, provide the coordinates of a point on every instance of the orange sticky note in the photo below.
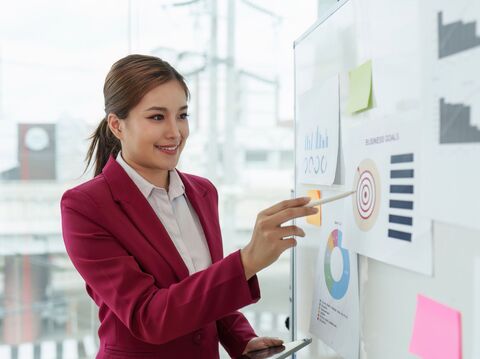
(315, 219)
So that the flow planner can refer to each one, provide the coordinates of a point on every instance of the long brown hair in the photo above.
(128, 80)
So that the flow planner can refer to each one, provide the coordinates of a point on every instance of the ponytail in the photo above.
(104, 143)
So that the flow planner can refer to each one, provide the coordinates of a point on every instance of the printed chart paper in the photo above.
(451, 123)
(382, 219)
(317, 133)
(335, 306)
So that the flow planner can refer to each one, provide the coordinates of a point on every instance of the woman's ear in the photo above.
(115, 125)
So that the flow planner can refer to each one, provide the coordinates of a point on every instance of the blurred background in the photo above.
(237, 57)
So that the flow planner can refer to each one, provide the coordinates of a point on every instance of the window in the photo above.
(53, 62)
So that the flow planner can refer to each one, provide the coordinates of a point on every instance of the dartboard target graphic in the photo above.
(366, 201)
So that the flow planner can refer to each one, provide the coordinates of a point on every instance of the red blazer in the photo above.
(149, 306)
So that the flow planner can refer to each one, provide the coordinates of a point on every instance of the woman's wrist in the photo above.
(247, 266)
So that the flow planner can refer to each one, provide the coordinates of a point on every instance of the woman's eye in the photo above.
(157, 117)
(184, 116)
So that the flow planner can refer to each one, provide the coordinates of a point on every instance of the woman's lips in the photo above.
(170, 150)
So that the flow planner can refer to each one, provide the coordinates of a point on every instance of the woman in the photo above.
(146, 238)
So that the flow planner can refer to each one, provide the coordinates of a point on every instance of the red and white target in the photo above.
(366, 201)
(366, 194)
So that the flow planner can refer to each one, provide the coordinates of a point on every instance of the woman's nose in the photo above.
(172, 128)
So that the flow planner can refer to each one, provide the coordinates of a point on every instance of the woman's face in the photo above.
(155, 131)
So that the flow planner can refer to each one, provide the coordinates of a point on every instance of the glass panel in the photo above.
(238, 61)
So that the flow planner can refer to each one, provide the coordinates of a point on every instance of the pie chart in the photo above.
(337, 289)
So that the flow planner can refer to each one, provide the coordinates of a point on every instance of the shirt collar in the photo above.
(176, 187)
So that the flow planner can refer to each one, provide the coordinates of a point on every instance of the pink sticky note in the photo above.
(437, 332)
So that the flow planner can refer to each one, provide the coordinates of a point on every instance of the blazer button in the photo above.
(197, 338)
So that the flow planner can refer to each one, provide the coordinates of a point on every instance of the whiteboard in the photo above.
(335, 44)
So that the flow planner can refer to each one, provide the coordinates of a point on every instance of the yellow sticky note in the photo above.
(315, 219)
(360, 88)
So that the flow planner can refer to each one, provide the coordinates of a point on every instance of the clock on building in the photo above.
(37, 138)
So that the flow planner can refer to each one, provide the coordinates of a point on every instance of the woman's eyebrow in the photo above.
(158, 108)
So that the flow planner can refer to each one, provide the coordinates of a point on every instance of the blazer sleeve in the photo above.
(235, 332)
(152, 314)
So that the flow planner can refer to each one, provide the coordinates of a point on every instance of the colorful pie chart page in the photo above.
(336, 288)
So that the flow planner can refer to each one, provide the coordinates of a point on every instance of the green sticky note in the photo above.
(360, 91)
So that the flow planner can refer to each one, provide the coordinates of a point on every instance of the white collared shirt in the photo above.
(177, 216)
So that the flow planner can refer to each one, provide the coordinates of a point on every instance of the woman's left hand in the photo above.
(258, 343)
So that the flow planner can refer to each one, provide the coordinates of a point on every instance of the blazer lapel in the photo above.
(137, 208)
(203, 204)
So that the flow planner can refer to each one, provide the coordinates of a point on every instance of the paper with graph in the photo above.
(317, 133)
(451, 124)
(334, 314)
(383, 218)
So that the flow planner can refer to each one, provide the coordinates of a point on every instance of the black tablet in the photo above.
(278, 352)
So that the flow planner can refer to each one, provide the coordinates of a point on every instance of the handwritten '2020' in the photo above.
(315, 164)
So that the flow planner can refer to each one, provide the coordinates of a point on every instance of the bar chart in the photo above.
(456, 37)
(455, 124)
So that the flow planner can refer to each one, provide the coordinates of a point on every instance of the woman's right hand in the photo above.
(267, 243)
